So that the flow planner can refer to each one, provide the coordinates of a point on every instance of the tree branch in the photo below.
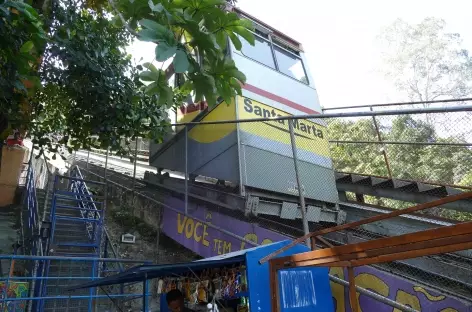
(131, 30)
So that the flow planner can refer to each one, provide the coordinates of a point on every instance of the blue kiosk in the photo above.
(301, 289)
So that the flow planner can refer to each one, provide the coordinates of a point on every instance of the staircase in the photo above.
(76, 223)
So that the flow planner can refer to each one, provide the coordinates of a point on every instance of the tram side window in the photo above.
(290, 64)
(260, 52)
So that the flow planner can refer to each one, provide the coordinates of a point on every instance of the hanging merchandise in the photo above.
(187, 290)
(243, 279)
(202, 292)
(194, 292)
(160, 286)
(211, 285)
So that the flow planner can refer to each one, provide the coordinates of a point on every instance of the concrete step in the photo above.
(70, 231)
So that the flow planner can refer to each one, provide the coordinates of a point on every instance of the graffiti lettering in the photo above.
(379, 283)
(197, 236)
(253, 238)
(221, 246)
(407, 299)
(15, 290)
(371, 282)
(197, 230)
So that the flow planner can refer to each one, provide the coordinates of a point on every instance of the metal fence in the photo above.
(432, 147)
(23, 285)
(140, 203)
(400, 145)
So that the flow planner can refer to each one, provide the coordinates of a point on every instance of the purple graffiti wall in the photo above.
(208, 242)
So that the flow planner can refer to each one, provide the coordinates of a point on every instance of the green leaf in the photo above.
(148, 76)
(151, 67)
(165, 95)
(148, 35)
(237, 74)
(208, 3)
(27, 46)
(156, 7)
(236, 85)
(246, 34)
(181, 63)
(236, 42)
(164, 51)
(160, 30)
(221, 39)
(187, 87)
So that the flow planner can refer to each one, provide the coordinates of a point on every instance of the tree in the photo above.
(433, 163)
(90, 92)
(21, 34)
(425, 61)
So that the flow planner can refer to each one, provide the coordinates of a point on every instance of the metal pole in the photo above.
(403, 143)
(379, 137)
(431, 110)
(135, 163)
(306, 229)
(186, 170)
(88, 157)
(373, 295)
(145, 294)
(399, 103)
(106, 164)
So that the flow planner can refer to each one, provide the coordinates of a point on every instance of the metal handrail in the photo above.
(34, 223)
(107, 236)
(37, 298)
(377, 218)
(89, 210)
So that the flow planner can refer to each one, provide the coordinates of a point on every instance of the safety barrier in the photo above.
(22, 292)
(32, 218)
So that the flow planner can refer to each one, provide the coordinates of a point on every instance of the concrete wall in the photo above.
(11, 167)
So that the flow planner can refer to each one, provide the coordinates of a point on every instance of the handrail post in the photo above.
(379, 137)
(145, 293)
(135, 164)
(352, 290)
(186, 170)
(106, 164)
(306, 228)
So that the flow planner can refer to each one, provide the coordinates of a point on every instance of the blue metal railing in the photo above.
(42, 271)
(19, 300)
(76, 196)
(33, 221)
(85, 206)
(89, 208)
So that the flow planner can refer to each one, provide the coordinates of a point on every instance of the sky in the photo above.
(339, 40)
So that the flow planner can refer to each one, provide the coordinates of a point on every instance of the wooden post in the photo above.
(313, 243)
(352, 290)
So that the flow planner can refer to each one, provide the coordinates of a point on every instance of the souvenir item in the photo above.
(202, 292)
(187, 291)
(160, 286)
(194, 292)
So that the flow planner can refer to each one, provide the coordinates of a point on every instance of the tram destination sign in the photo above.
(309, 134)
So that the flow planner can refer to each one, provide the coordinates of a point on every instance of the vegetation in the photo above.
(66, 71)
(433, 163)
(425, 63)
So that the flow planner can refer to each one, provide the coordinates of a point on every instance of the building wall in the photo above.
(11, 166)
